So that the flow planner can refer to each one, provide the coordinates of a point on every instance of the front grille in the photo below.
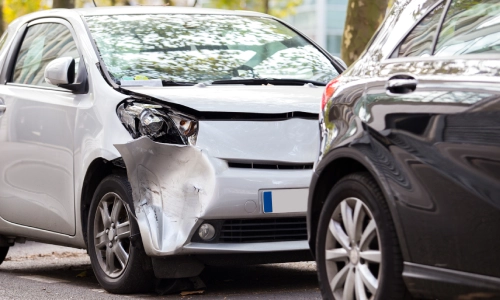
(263, 230)
(270, 166)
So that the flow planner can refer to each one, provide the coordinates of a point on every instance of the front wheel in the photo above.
(116, 262)
(357, 250)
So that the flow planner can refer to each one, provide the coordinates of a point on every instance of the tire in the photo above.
(377, 254)
(115, 272)
(3, 253)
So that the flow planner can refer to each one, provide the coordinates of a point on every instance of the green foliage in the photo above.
(278, 8)
(13, 9)
(461, 5)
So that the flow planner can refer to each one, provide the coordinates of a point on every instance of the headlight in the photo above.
(159, 123)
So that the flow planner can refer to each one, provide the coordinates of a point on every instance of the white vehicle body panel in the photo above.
(93, 132)
(294, 140)
(240, 98)
(184, 185)
(38, 158)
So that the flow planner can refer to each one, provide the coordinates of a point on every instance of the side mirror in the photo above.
(340, 61)
(60, 71)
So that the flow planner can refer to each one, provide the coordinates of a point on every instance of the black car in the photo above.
(405, 199)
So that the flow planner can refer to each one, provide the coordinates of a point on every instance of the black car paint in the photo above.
(434, 151)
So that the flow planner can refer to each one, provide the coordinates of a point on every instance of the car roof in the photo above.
(138, 10)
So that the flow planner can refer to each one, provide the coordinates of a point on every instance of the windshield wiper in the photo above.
(273, 81)
(176, 83)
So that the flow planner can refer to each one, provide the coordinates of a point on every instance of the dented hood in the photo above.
(239, 98)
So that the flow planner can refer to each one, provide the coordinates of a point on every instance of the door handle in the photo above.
(401, 85)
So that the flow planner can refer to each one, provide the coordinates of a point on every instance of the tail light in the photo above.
(329, 90)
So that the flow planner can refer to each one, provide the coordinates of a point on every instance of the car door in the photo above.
(37, 132)
(436, 107)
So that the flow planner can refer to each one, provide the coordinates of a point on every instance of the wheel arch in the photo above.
(98, 169)
(333, 167)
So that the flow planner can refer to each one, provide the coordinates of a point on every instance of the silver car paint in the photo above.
(92, 126)
(94, 129)
(294, 140)
(239, 98)
(183, 185)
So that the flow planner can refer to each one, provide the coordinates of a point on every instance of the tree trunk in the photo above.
(363, 18)
(63, 4)
(266, 6)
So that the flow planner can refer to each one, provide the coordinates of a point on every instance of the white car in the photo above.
(161, 139)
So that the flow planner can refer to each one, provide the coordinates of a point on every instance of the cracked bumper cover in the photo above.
(176, 187)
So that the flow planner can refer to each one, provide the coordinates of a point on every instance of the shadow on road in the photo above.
(66, 274)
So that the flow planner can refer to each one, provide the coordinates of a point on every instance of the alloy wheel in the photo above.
(112, 235)
(353, 254)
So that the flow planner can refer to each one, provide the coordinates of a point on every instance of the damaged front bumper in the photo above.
(176, 187)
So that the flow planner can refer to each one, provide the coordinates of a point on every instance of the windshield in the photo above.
(204, 48)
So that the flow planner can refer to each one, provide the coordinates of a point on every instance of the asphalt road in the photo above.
(38, 271)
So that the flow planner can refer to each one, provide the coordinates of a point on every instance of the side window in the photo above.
(420, 40)
(470, 27)
(42, 44)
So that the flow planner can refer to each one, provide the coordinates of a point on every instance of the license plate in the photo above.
(285, 201)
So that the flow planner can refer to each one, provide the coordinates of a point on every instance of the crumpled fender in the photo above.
(172, 185)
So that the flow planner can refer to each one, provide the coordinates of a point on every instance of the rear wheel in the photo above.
(357, 250)
(116, 262)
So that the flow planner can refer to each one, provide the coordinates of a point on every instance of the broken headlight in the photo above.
(158, 123)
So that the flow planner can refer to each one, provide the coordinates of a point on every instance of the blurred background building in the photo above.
(323, 21)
